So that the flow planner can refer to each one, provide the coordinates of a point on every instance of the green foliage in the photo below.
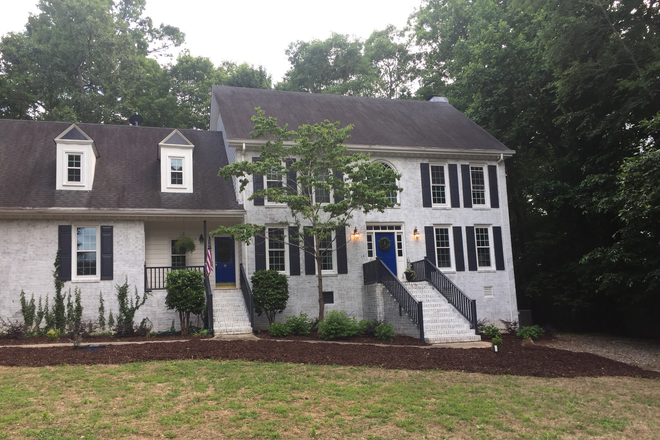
(125, 325)
(532, 331)
(299, 325)
(384, 332)
(337, 324)
(279, 329)
(101, 312)
(491, 331)
(185, 294)
(184, 245)
(69, 309)
(28, 310)
(58, 314)
(368, 327)
(111, 321)
(271, 293)
(497, 340)
(53, 335)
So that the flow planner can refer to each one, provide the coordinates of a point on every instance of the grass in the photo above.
(251, 400)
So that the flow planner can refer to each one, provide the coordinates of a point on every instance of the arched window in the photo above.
(394, 195)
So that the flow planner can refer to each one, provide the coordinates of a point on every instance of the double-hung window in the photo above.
(478, 186)
(176, 171)
(438, 185)
(86, 251)
(321, 195)
(483, 247)
(74, 168)
(392, 195)
(443, 247)
(178, 260)
(325, 244)
(274, 179)
(276, 249)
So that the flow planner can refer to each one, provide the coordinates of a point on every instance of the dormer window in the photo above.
(76, 160)
(176, 158)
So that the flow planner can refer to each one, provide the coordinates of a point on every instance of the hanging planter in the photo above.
(184, 245)
(384, 244)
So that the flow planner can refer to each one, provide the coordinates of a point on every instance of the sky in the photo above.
(254, 31)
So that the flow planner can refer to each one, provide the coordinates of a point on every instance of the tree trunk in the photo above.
(184, 327)
(319, 276)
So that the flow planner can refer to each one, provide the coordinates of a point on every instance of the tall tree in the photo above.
(388, 51)
(78, 59)
(330, 185)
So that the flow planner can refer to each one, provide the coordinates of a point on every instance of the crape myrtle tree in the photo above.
(313, 161)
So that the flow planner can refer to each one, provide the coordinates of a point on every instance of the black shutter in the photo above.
(338, 198)
(453, 185)
(467, 186)
(429, 234)
(294, 251)
(310, 261)
(259, 253)
(65, 244)
(499, 250)
(492, 183)
(257, 185)
(342, 257)
(471, 247)
(426, 185)
(106, 253)
(291, 178)
(458, 249)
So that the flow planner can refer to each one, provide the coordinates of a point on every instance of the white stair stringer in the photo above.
(442, 322)
(230, 316)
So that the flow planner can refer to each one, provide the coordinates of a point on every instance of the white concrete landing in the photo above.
(230, 316)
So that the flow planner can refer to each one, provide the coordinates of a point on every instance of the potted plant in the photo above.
(184, 245)
(410, 274)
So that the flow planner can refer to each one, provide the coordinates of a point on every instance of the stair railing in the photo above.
(248, 297)
(425, 270)
(377, 272)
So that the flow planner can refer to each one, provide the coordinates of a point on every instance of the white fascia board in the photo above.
(14, 213)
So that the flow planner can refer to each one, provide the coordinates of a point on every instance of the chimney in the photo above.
(436, 98)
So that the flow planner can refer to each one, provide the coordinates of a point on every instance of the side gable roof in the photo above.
(377, 121)
(127, 170)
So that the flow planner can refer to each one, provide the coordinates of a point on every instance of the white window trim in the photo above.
(74, 254)
(333, 254)
(286, 247)
(400, 260)
(68, 182)
(265, 185)
(452, 250)
(491, 249)
(445, 171)
(398, 183)
(171, 185)
(486, 204)
(173, 254)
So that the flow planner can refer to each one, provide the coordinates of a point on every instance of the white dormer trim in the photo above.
(175, 153)
(76, 160)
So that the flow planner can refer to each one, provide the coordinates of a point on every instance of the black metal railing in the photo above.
(247, 295)
(209, 303)
(425, 270)
(377, 272)
(154, 277)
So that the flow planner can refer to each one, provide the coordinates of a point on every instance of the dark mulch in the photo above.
(398, 340)
(513, 359)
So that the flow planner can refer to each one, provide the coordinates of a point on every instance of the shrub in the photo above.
(481, 325)
(368, 327)
(279, 329)
(127, 308)
(299, 325)
(337, 324)
(491, 331)
(384, 332)
(533, 331)
(13, 330)
(185, 294)
(511, 327)
(101, 312)
(497, 341)
(28, 309)
(271, 293)
(53, 335)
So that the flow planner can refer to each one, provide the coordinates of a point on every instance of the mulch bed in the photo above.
(512, 359)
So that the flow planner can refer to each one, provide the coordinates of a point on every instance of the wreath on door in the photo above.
(384, 244)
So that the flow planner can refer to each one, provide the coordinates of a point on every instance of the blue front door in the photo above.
(225, 275)
(386, 249)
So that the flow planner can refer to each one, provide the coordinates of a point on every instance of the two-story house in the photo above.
(451, 221)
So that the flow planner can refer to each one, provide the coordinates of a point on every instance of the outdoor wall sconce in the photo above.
(416, 233)
(201, 239)
(356, 234)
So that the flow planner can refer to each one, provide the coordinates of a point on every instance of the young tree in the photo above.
(271, 293)
(185, 294)
(315, 163)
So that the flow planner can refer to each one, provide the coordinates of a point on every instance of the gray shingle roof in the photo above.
(383, 122)
(127, 170)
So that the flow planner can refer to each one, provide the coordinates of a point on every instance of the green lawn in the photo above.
(222, 399)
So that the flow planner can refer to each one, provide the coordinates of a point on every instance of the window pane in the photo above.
(482, 236)
(483, 247)
(438, 184)
(276, 249)
(178, 261)
(73, 175)
(176, 166)
(74, 168)
(442, 247)
(478, 186)
(322, 195)
(86, 240)
(86, 263)
(326, 253)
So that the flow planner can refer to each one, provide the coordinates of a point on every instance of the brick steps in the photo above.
(230, 316)
(442, 322)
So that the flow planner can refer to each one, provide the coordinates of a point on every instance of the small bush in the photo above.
(185, 294)
(368, 327)
(511, 327)
(497, 341)
(491, 331)
(279, 329)
(481, 325)
(271, 293)
(338, 325)
(53, 335)
(13, 330)
(299, 325)
(532, 331)
(384, 332)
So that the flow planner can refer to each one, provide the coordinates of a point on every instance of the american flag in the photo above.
(209, 260)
